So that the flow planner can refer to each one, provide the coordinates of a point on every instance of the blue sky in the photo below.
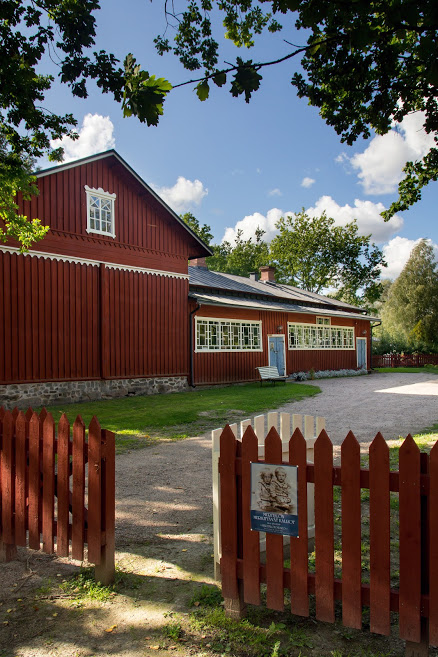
(237, 165)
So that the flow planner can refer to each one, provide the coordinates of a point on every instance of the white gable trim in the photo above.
(92, 263)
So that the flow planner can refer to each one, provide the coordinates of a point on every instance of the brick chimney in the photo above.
(267, 274)
(198, 262)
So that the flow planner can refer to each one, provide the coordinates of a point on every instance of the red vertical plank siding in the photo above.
(2, 319)
(7, 317)
(63, 487)
(274, 542)
(251, 539)
(228, 504)
(7, 478)
(21, 323)
(34, 482)
(14, 320)
(433, 546)
(21, 430)
(78, 495)
(48, 483)
(94, 492)
(324, 539)
(379, 537)
(299, 546)
(351, 533)
(410, 542)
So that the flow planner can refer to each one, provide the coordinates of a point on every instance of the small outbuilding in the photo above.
(239, 324)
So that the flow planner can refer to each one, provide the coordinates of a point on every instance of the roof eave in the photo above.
(113, 153)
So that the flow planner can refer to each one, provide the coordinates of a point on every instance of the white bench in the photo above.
(270, 373)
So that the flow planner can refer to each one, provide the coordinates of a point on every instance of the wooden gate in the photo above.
(43, 488)
(415, 598)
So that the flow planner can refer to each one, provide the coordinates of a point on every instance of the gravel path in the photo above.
(394, 404)
(165, 491)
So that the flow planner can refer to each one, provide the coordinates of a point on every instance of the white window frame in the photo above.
(326, 321)
(224, 322)
(103, 196)
(331, 335)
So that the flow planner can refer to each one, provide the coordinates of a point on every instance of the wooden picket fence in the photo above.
(416, 596)
(285, 423)
(44, 487)
(404, 360)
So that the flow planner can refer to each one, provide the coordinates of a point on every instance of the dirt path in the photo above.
(164, 532)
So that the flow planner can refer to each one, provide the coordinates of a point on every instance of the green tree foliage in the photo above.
(410, 314)
(242, 257)
(204, 231)
(64, 30)
(366, 64)
(313, 253)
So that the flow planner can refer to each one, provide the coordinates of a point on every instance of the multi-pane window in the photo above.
(325, 321)
(100, 211)
(228, 335)
(320, 336)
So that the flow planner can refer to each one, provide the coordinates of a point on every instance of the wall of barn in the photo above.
(146, 234)
(226, 367)
(65, 321)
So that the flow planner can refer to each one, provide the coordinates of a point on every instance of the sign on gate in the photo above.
(274, 500)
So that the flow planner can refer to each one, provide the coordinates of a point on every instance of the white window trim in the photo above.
(322, 323)
(225, 351)
(107, 196)
(319, 348)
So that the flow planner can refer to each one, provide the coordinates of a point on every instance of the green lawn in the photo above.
(140, 420)
(431, 369)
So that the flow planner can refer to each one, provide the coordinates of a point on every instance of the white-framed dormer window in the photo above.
(100, 212)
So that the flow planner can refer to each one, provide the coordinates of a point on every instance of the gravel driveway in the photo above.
(394, 404)
(165, 491)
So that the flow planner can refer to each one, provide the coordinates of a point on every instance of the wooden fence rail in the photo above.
(404, 360)
(285, 423)
(415, 598)
(45, 481)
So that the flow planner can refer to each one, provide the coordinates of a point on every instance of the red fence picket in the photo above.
(42, 482)
(416, 483)
(379, 537)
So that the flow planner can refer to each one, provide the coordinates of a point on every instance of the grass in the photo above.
(141, 420)
(431, 369)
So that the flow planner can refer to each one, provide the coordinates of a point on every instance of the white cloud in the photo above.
(367, 214)
(95, 136)
(251, 222)
(397, 253)
(307, 182)
(183, 195)
(380, 165)
(275, 192)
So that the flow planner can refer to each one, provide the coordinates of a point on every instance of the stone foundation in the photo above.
(60, 392)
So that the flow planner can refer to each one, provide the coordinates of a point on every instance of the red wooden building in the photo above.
(101, 307)
(240, 324)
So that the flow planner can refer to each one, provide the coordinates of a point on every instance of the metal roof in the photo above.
(202, 277)
(262, 304)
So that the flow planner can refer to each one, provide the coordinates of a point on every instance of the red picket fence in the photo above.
(43, 488)
(404, 360)
(416, 596)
